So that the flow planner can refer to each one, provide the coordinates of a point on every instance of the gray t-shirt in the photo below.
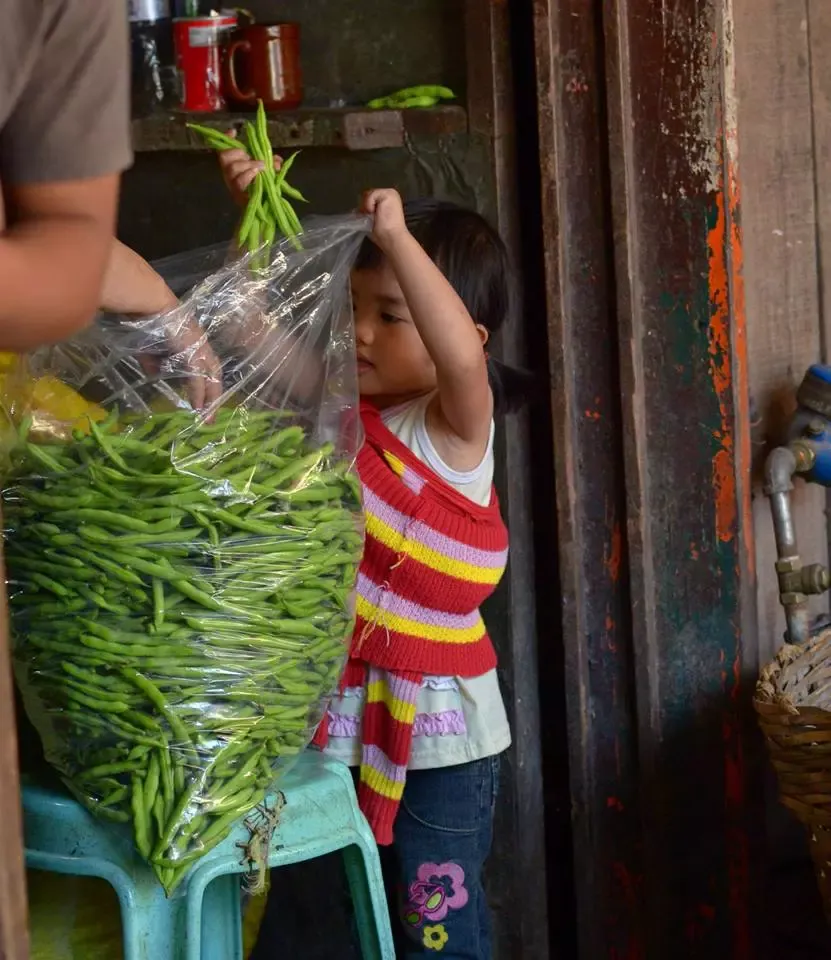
(64, 90)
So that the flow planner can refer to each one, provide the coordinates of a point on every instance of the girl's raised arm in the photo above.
(452, 338)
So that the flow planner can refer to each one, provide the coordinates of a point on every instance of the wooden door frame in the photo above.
(649, 396)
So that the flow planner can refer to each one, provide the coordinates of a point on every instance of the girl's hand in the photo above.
(387, 210)
(239, 171)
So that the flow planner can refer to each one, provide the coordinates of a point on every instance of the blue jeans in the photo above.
(443, 836)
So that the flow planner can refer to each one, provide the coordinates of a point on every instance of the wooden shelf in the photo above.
(350, 128)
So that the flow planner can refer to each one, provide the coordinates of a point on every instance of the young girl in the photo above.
(420, 712)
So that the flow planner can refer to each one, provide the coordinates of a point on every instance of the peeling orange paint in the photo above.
(741, 373)
(608, 641)
(729, 371)
(724, 479)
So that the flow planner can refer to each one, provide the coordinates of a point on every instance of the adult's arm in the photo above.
(132, 286)
(53, 257)
(62, 146)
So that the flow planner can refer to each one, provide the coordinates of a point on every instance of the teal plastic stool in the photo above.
(203, 919)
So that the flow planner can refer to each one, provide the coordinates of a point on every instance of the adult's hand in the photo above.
(134, 288)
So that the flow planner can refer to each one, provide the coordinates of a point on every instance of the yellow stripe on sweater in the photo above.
(430, 558)
(396, 464)
(377, 782)
(379, 692)
(392, 621)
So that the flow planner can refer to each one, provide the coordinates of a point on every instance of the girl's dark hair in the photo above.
(471, 254)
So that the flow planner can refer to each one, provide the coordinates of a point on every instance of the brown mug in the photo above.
(263, 63)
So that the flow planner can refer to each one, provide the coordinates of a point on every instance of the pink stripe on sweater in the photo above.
(416, 530)
(399, 687)
(373, 756)
(390, 602)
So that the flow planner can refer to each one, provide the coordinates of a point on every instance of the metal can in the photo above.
(148, 11)
(200, 46)
(154, 80)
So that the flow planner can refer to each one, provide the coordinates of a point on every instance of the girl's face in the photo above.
(393, 363)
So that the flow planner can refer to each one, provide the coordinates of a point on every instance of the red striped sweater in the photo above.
(432, 557)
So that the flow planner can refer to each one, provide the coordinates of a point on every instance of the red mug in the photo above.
(199, 54)
(263, 63)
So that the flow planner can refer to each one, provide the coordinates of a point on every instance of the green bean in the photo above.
(431, 93)
(168, 787)
(416, 102)
(158, 602)
(97, 704)
(262, 133)
(287, 164)
(93, 679)
(310, 494)
(158, 811)
(106, 769)
(251, 209)
(49, 584)
(141, 830)
(151, 784)
(254, 237)
(116, 796)
(46, 460)
(293, 220)
(129, 650)
(106, 517)
(290, 191)
(142, 720)
(213, 134)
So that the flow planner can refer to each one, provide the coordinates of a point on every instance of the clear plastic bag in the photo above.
(180, 582)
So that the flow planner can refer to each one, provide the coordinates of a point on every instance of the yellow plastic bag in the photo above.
(78, 918)
(252, 920)
(55, 408)
(73, 918)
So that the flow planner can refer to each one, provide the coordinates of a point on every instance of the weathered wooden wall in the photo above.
(682, 333)
(783, 118)
(780, 190)
(649, 392)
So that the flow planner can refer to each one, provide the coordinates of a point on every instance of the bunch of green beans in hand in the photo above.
(180, 608)
(269, 212)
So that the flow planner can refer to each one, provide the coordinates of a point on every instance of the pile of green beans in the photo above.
(269, 209)
(180, 608)
(413, 97)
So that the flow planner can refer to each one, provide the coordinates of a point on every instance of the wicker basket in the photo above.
(793, 701)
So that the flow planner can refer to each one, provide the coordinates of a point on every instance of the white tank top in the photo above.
(408, 423)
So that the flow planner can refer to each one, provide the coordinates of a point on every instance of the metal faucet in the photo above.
(808, 454)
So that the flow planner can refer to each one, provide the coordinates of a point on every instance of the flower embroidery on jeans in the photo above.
(435, 938)
(437, 889)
